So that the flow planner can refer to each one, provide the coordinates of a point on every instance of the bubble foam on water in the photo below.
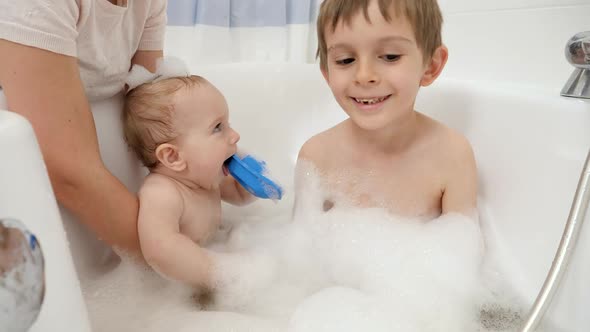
(303, 269)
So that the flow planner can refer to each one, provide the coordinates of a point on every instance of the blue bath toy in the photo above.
(249, 172)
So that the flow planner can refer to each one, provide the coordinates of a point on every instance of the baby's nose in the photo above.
(235, 137)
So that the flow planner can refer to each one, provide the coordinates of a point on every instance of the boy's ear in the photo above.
(435, 65)
(169, 156)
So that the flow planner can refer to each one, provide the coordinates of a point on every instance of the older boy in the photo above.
(375, 55)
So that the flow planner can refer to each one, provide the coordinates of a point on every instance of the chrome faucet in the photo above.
(577, 52)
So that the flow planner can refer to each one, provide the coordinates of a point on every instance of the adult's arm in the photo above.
(46, 88)
(147, 59)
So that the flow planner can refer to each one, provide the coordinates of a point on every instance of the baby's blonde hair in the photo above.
(424, 16)
(147, 115)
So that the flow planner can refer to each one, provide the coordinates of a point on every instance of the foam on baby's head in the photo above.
(168, 67)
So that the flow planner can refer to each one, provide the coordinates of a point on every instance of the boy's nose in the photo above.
(366, 73)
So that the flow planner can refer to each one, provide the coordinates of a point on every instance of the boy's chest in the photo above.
(409, 189)
(201, 217)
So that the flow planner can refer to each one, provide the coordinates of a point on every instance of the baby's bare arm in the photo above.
(233, 193)
(460, 192)
(165, 248)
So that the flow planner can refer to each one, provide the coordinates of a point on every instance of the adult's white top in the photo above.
(102, 35)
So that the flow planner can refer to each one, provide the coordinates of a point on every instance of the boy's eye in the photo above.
(345, 61)
(391, 57)
(218, 127)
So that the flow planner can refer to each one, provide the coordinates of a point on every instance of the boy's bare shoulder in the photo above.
(319, 147)
(454, 159)
(448, 144)
(450, 150)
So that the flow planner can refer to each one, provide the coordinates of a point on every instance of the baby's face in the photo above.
(205, 139)
(374, 69)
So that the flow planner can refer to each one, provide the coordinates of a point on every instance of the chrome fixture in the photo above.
(577, 52)
(566, 248)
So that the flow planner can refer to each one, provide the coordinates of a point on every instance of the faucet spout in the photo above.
(577, 52)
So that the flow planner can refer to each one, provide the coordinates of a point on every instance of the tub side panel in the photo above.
(26, 195)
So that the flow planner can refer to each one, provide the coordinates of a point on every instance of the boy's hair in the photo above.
(424, 16)
(147, 115)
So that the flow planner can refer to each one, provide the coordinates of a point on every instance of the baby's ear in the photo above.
(435, 65)
(169, 156)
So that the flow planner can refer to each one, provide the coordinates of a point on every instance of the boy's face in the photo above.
(375, 69)
(205, 138)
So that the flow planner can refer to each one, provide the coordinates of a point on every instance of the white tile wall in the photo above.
(461, 6)
(514, 46)
(511, 41)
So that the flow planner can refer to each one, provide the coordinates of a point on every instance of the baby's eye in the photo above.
(391, 57)
(218, 128)
(344, 62)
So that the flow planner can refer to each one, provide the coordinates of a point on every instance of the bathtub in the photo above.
(530, 147)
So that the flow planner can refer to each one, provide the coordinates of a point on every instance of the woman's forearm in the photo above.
(102, 203)
(46, 88)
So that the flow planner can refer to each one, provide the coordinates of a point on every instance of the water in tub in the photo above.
(293, 267)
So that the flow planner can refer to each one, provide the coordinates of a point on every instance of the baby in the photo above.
(178, 126)
(375, 56)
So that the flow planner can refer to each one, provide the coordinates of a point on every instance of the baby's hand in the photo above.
(238, 278)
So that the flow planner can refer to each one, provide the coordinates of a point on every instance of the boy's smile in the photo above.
(375, 55)
(370, 103)
(375, 68)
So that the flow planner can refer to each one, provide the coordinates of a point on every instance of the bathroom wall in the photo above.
(513, 41)
(517, 42)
